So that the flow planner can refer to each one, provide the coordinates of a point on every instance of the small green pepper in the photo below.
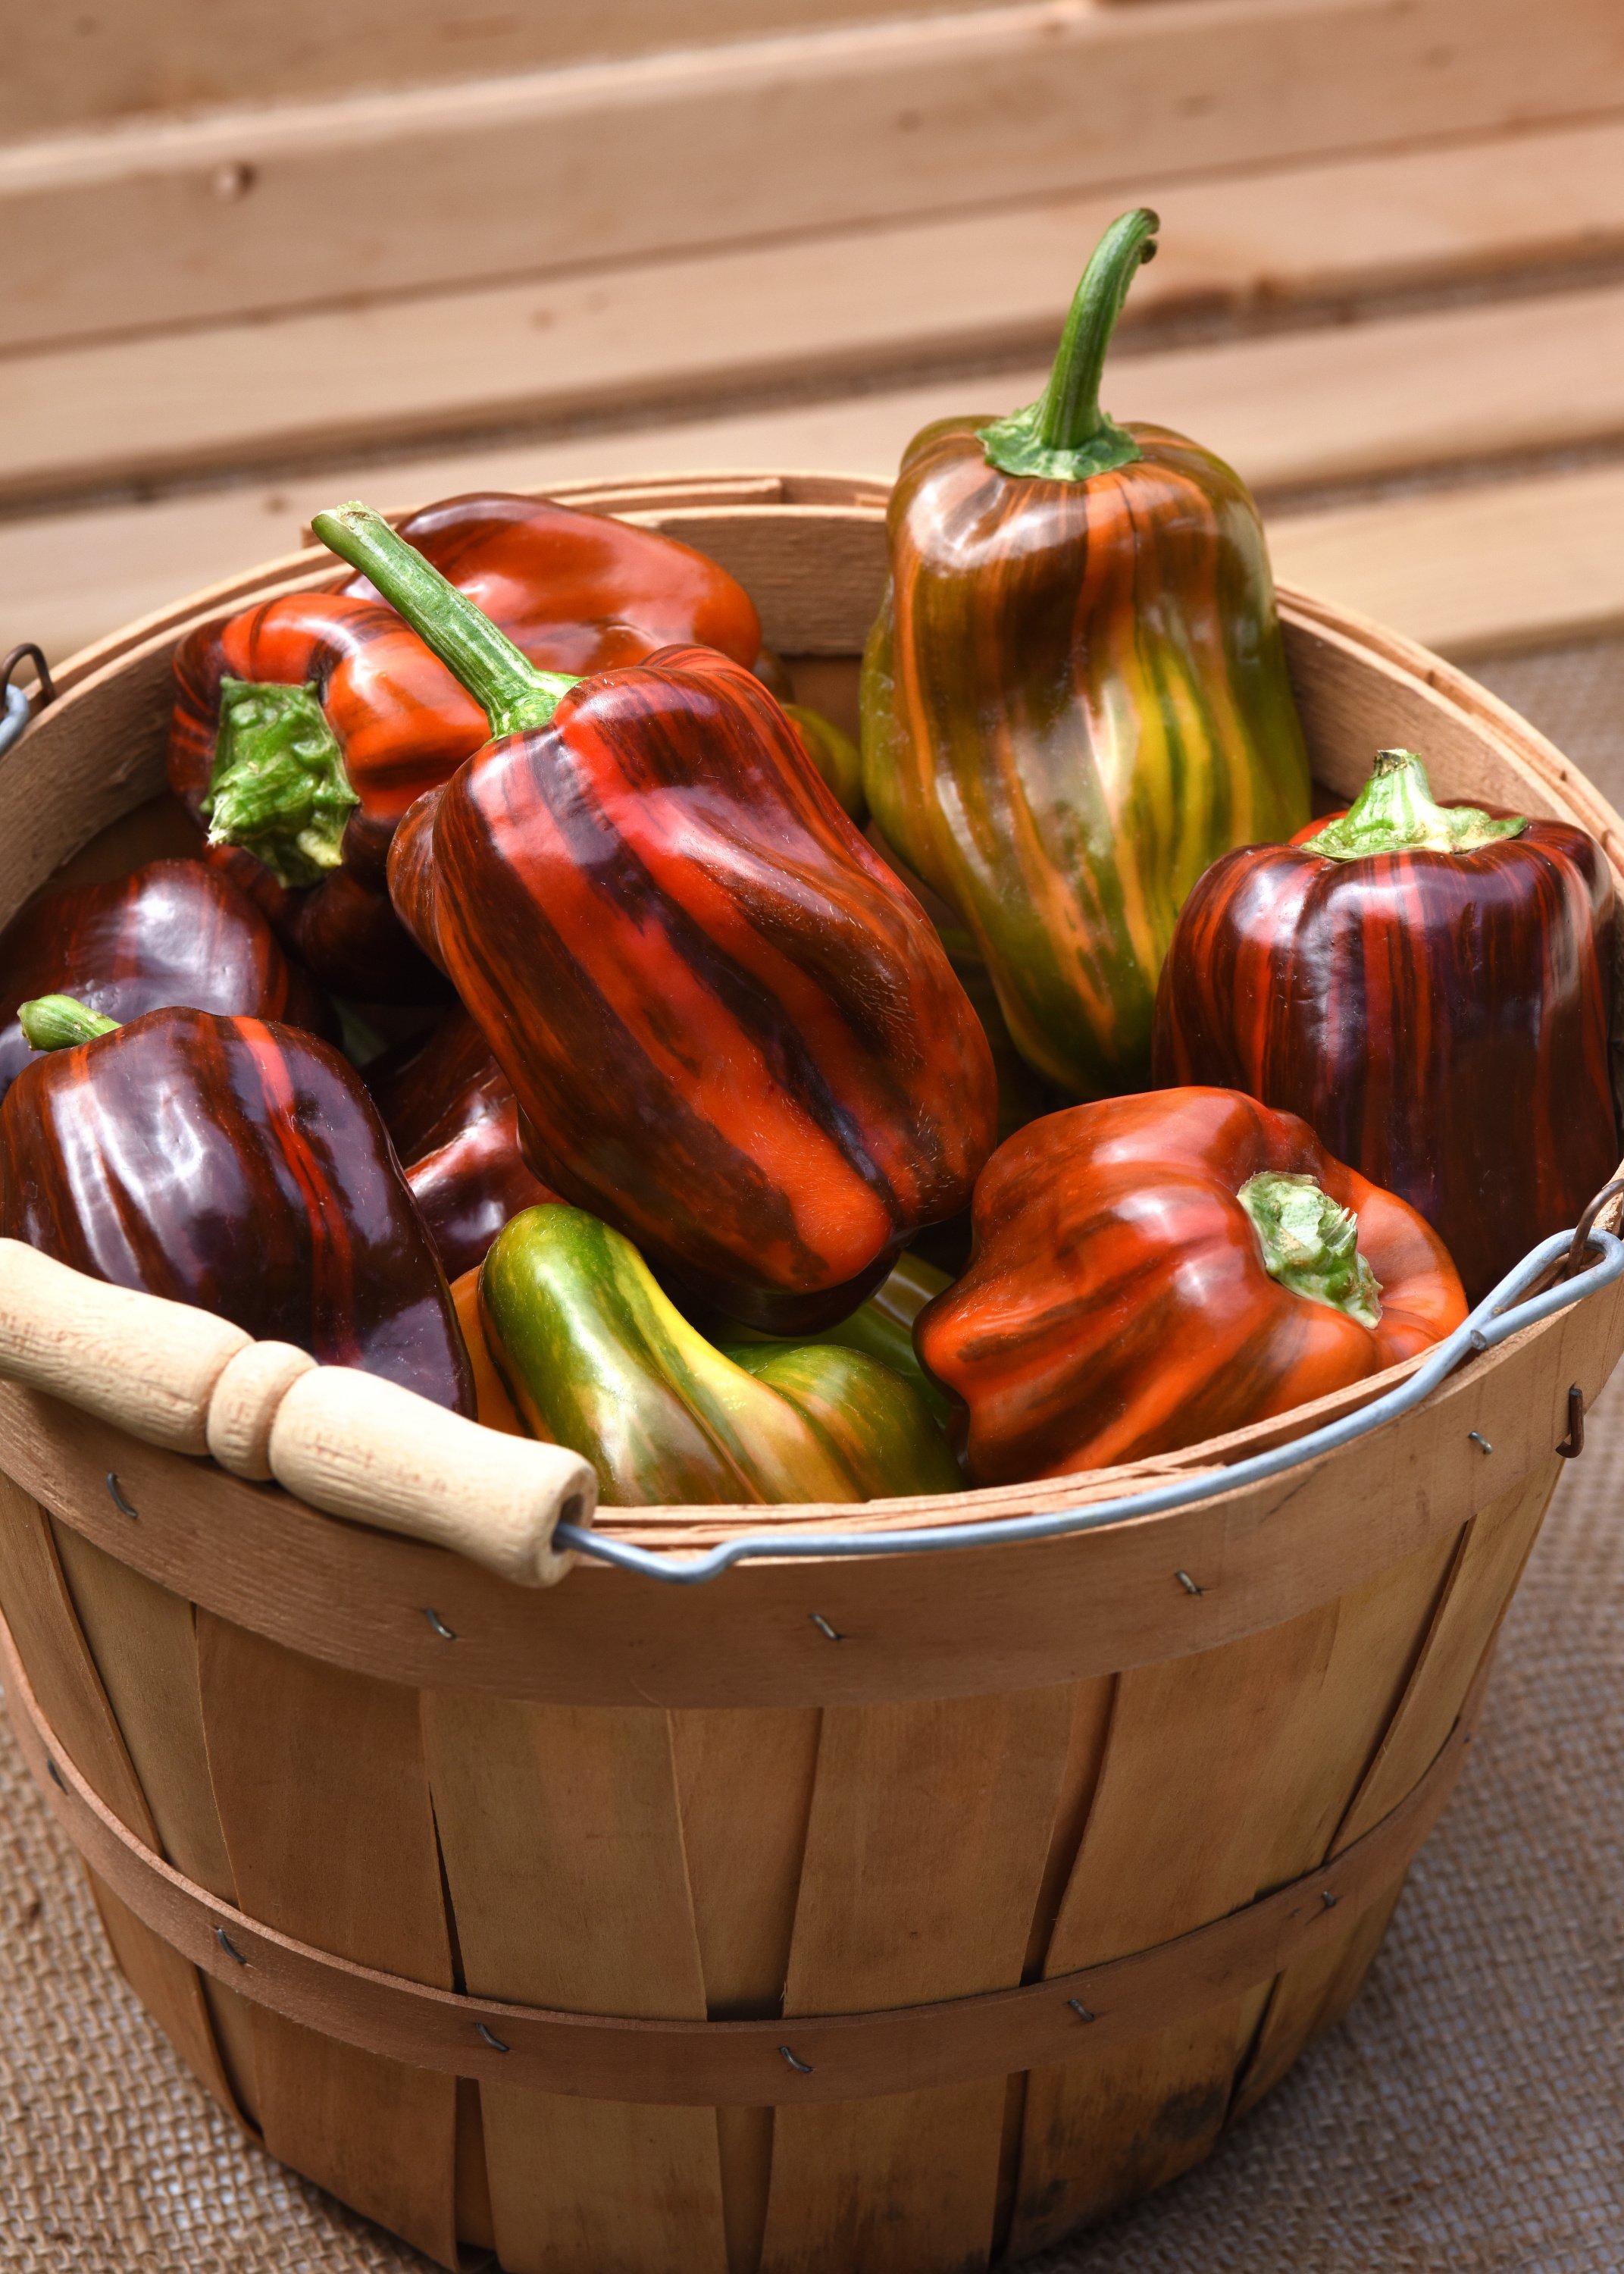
(882, 1328)
(599, 1357)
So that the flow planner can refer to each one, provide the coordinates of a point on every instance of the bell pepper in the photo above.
(1431, 987)
(493, 1408)
(1151, 1271)
(174, 931)
(835, 755)
(599, 1357)
(881, 1328)
(1075, 697)
(303, 728)
(454, 1120)
(231, 1163)
(733, 1034)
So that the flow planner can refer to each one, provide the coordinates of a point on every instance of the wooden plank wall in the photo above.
(260, 256)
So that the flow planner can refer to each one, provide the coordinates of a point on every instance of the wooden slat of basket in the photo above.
(1184, 1826)
(744, 1871)
(924, 1860)
(39, 1610)
(562, 1841)
(323, 1799)
(1495, 1547)
(144, 1642)
(1091, 1705)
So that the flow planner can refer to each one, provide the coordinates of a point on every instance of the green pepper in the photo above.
(835, 755)
(599, 1357)
(1075, 698)
(882, 1328)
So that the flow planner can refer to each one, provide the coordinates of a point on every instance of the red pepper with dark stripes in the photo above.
(174, 931)
(235, 1164)
(1153, 1271)
(736, 1036)
(455, 1122)
(305, 726)
(1430, 987)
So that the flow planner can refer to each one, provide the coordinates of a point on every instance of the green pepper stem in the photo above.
(1396, 812)
(1311, 1244)
(514, 695)
(1065, 436)
(57, 1022)
(278, 787)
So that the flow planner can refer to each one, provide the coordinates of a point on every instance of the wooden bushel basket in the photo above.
(684, 1930)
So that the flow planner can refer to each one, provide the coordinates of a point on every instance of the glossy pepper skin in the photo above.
(238, 1165)
(1120, 1304)
(455, 1122)
(1075, 697)
(369, 719)
(1438, 1013)
(597, 1358)
(881, 1327)
(173, 932)
(733, 1033)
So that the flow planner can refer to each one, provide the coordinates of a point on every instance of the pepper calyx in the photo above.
(514, 695)
(1311, 1243)
(1396, 812)
(60, 1023)
(278, 788)
(1065, 436)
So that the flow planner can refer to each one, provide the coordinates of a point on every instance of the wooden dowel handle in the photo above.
(247, 1399)
(147, 1365)
(358, 1447)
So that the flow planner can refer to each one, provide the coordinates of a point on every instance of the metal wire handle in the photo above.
(1490, 1324)
(18, 710)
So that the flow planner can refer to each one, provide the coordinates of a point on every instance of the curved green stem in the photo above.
(506, 685)
(1396, 812)
(1311, 1244)
(57, 1022)
(1065, 436)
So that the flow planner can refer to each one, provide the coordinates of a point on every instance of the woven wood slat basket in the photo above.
(609, 1924)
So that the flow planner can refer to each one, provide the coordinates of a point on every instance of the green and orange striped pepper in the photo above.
(1075, 697)
(596, 1357)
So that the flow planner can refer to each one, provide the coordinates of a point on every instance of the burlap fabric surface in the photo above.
(1469, 2114)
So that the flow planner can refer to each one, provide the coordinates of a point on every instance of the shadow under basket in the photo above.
(884, 1913)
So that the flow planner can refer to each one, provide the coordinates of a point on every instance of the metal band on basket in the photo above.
(1490, 1324)
(776, 2062)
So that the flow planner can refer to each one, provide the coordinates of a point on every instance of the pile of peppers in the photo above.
(555, 1020)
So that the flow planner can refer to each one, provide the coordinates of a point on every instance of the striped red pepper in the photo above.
(304, 726)
(235, 1164)
(173, 932)
(1151, 1271)
(736, 1036)
(1431, 987)
(455, 1122)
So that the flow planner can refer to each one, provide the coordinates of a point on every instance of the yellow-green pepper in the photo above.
(599, 1357)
